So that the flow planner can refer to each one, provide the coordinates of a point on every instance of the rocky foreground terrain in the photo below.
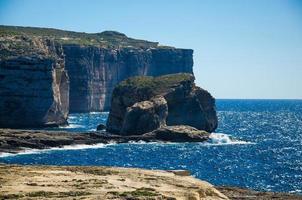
(53, 182)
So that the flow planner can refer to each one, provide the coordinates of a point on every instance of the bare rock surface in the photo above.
(145, 116)
(75, 182)
(50, 182)
(236, 193)
(16, 140)
(180, 133)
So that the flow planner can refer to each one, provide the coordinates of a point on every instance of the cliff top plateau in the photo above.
(105, 39)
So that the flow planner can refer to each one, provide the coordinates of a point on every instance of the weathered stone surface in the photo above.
(105, 183)
(94, 71)
(187, 103)
(193, 106)
(145, 116)
(237, 193)
(34, 86)
(180, 133)
(90, 182)
(15, 140)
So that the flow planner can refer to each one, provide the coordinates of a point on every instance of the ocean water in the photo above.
(257, 145)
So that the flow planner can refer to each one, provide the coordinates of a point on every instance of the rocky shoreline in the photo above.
(74, 182)
(15, 140)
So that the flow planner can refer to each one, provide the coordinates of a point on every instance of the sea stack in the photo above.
(144, 104)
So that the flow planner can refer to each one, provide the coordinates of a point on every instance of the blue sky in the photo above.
(242, 48)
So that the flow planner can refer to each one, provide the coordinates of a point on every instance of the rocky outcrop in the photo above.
(34, 86)
(101, 127)
(133, 102)
(95, 71)
(145, 116)
(16, 140)
(180, 133)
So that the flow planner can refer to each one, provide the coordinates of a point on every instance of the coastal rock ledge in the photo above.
(144, 104)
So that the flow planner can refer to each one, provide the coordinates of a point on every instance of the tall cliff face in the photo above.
(95, 71)
(95, 63)
(34, 86)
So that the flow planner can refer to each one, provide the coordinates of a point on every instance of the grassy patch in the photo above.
(11, 196)
(40, 194)
(46, 194)
(140, 192)
(154, 85)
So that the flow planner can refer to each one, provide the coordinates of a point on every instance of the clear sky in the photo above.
(242, 48)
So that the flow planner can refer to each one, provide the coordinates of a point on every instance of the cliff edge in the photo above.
(34, 85)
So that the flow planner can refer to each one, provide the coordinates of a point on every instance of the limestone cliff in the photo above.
(95, 71)
(34, 86)
(96, 62)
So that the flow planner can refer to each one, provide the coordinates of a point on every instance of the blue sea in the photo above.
(257, 145)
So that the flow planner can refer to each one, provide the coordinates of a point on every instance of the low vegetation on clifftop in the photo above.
(106, 39)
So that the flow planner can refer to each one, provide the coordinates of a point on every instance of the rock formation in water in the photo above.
(34, 86)
(143, 104)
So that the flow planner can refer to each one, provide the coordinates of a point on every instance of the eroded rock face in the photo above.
(96, 62)
(187, 104)
(145, 116)
(34, 84)
(94, 71)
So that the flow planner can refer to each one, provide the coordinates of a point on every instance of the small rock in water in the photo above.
(101, 127)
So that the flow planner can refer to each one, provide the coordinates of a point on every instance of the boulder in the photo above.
(138, 105)
(101, 127)
(145, 116)
(180, 133)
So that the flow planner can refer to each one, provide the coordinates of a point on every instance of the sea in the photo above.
(257, 145)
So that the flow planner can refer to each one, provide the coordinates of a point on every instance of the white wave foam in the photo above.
(95, 113)
(67, 147)
(72, 126)
(224, 139)
(72, 117)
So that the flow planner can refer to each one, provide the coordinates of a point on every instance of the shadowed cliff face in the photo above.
(34, 84)
(95, 71)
